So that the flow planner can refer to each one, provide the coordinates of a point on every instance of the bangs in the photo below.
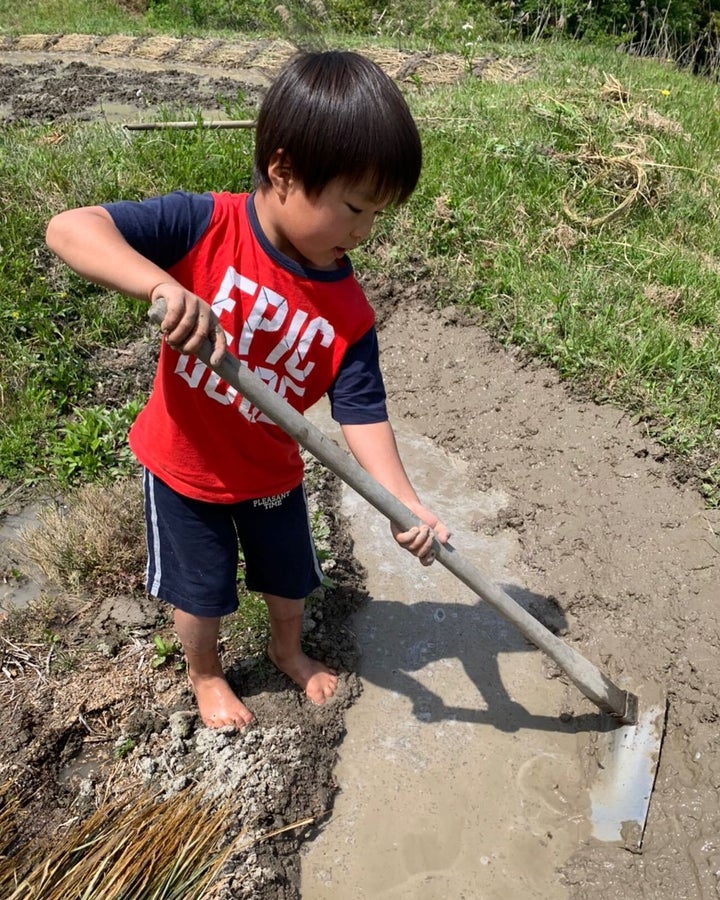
(338, 115)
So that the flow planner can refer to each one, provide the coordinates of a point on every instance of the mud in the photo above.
(606, 531)
(56, 78)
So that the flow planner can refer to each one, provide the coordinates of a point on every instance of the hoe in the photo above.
(633, 727)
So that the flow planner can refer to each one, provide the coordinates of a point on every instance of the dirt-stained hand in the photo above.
(420, 540)
(189, 321)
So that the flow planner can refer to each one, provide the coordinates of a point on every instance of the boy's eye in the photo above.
(356, 212)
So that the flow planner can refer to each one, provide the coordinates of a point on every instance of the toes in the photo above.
(323, 691)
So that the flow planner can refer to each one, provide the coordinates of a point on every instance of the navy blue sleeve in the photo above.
(357, 396)
(163, 228)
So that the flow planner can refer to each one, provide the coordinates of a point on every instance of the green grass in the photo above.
(626, 306)
(406, 24)
(51, 322)
(65, 17)
(570, 201)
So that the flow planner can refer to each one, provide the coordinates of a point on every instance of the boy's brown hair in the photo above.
(338, 115)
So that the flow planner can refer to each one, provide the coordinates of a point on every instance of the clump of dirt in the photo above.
(44, 92)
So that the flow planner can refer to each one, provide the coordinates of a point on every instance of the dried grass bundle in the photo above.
(620, 176)
(141, 849)
(138, 850)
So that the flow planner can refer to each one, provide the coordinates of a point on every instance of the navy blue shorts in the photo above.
(193, 548)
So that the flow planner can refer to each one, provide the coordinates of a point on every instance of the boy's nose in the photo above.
(362, 230)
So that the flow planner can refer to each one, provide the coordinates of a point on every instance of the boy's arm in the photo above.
(90, 243)
(375, 448)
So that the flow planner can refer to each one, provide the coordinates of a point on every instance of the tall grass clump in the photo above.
(94, 541)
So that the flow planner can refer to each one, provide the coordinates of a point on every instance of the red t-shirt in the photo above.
(291, 325)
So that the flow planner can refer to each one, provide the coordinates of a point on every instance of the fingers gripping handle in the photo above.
(599, 689)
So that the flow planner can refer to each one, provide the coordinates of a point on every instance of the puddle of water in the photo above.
(19, 584)
(85, 765)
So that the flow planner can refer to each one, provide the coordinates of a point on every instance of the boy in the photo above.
(266, 277)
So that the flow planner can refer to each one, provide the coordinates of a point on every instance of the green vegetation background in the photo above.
(571, 201)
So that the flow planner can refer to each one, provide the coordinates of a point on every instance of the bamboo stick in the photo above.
(160, 126)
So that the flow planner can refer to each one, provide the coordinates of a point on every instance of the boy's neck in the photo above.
(268, 210)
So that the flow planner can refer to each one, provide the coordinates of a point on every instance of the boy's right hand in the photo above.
(189, 321)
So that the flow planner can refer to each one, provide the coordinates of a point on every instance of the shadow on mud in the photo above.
(411, 637)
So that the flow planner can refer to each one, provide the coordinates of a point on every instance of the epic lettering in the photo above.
(286, 365)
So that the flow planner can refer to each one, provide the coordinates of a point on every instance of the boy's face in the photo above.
(317, 230)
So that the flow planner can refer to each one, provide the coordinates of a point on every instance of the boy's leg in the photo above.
(192, 564)
(284, 650)
(216, 700)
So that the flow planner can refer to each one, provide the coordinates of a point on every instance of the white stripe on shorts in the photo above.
(153, 536)
(318, 567)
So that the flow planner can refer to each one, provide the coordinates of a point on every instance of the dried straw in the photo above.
(625, 173)
(140, 849)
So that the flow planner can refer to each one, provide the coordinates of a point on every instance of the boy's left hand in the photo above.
(419, 540)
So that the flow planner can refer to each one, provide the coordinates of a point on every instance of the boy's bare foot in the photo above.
(219, 705)
(318, 682)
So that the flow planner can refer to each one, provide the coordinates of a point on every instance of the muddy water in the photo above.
(457, 777)
(21, 582)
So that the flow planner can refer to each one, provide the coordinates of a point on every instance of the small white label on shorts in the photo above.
(271, 502)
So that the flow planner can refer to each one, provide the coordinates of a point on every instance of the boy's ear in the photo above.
(280, 172)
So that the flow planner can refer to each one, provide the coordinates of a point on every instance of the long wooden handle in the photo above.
(586, 677)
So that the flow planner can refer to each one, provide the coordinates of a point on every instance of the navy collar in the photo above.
(291, 265)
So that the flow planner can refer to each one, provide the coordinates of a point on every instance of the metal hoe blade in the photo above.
(620, 794)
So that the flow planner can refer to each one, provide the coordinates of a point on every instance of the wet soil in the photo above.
(606, 523)
(610, 528)
(56, 78)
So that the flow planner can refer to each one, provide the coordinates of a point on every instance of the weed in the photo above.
(94, 445)
(59, 658)
(166, 651)
(321, 537)
(33, 623)
(123, 748)
(247, 631)
(711, 486)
